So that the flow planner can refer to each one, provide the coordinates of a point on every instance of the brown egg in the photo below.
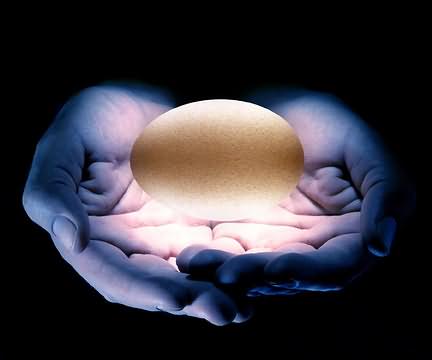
(218, 159)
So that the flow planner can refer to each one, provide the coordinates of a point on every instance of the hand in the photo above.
(342, 216)
(81, 190)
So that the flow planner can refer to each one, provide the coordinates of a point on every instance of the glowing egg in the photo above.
(218, 159)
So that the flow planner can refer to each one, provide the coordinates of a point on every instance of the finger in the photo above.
(383, 208)
(388, 197)
(151, 214)
(299, 203)
(132, 200)
(214, 306)
(327, 268)
(305, 202)
(201, 261)
(150, 283)
(227, 244)
(172, 261)
(252, 236)
(105, 183)
(152, 263)
(217, 306)
(270, 291)
(154, 213)
(331, 193)
(210, 310)
(244, 270)
(164, 240)
(259, 250)
(296, 248)
(145, 281)
(279, 215)
(184, 258)
(245, 311)
(50, 196)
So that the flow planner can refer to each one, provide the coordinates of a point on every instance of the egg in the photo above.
(220, 160)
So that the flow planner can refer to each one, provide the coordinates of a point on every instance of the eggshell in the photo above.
(219, 160)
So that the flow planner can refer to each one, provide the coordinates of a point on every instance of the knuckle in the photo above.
(30, 198)
(26, 199)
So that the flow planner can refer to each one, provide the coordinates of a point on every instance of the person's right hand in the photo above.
(81, 190)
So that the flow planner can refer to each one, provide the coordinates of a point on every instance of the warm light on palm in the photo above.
(81, 178)
(305, 220)
(125, 244)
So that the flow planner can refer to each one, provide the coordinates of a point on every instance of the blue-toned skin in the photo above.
(342, 217)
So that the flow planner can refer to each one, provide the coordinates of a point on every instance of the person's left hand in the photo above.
(340, 218)
(82, 191)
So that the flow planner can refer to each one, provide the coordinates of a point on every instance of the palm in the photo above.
(138, 224)
(305, 220)
(81, 174)
(119, 211)
(323, 211)
(318, 226)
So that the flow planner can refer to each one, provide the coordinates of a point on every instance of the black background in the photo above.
(53, 310)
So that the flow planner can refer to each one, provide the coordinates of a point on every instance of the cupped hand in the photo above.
(81, 190)
(342, 216)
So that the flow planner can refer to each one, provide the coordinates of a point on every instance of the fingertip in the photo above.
(65, 232)
(215, 307)
(244, 270)
(175, 299)
(380, 244)
(377, 249)
(183, 260)
(284, 267)
(59, 211)
(202, 261)
(244, 313)
(227, 276)
(72, 237)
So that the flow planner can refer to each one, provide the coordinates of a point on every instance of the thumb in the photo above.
(384, 208)
(50, 196)
(60, 212)
(388, 195)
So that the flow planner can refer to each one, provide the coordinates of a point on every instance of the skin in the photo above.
(342, 216)
(81, 190)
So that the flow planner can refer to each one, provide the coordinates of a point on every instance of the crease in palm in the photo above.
(323, 206)
(136, 242)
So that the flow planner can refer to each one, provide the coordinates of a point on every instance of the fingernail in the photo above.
(285, 292)
(253, 293)
(290, 284)
(264, 290)
(386, 233)
(271, 292)
(66, 231)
